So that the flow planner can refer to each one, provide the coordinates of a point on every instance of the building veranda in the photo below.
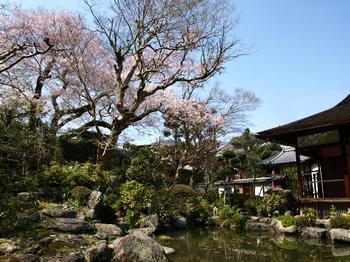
(324, 137)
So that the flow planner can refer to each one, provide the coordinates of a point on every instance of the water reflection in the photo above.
(206, 245)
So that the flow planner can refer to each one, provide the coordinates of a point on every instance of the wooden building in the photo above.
(252, 187)
(280, 164)
(323, 180)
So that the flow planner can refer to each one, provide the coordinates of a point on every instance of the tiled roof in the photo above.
(244, 181)
(337, 115)
(286, 156)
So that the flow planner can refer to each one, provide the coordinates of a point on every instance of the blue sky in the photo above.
(299, 63)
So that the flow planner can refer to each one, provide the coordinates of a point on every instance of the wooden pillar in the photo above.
(346, 165)
(300, 180)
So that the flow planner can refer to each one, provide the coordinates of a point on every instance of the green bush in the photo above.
(80, 195)
(174, 201)
(287, 220)
(340, 221)
(231, 217)
(197, 207)
(212, 196)
(237, 200)
(272, 205)
(16, 214)
(140, 168)
(58, 180)
(251, 204)
(134, 198)
(308, 219)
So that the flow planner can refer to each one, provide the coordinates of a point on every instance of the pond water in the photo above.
(201, 244)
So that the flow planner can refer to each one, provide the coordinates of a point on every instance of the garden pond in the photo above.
(201, 244)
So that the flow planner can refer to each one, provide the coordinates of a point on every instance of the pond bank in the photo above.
(213, 244)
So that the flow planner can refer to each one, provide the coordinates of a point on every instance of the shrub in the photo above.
(212, 196)
(308, 219)
(61, 179)
(140, 168)
(251, 204)
(134, 197)
(197, 207)
(80, 195)
(15, 214)
(237, 200)
(340, 221)
(175, 200)
(231, 217)
(287, 220)
(272, 205)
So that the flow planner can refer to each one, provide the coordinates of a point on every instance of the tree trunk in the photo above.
(104, 155)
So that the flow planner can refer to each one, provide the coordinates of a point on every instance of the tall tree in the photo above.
(157, 45)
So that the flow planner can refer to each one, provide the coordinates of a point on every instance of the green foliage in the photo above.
(58, 180)
(340, 221)
(134, 197)
(197, 207)
(212, 196)
(273, 204)
(140, 168)
(15, 214)
(24, 150)
(225, 172)
(231, 217)
(80, 149)
(308, 219)
(174, 200)
(80, 195)
(287, 220)
(13, 183)
(251, 204)
(237, 200)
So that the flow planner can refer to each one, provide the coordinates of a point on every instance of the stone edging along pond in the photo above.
(271, 225)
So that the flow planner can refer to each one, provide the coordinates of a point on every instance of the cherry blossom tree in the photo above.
(62, 84)
(17, 41)
(157, 45)
(58, 89)
(197, 126)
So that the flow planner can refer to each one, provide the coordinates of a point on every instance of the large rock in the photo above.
(108, 230)
(59, 213)
(314, 232)
(168, 250)
(70, 225)
(180, 222)
(152, 222)
(66, 258)
(95, 200)
(340, 251)
(8, 246)
(137, 246)
(24, 258)
(95, 204)
(338, 234)
(277, 225)
(258, 227)
(28, 196)
(212, 221)
(99, 253)
(324, 223)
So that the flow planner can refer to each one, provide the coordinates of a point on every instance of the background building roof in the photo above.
(286, 156)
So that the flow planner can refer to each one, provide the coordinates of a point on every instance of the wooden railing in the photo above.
(314, 186)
